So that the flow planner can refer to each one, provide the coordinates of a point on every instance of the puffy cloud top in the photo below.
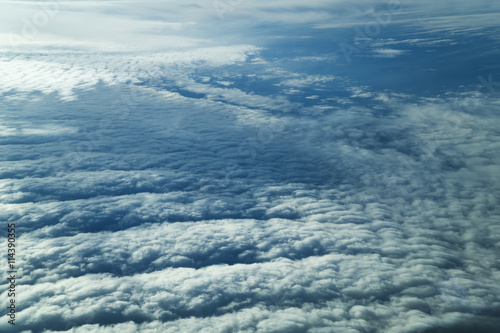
(251, 166)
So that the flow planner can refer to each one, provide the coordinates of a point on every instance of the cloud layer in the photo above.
(187, 180)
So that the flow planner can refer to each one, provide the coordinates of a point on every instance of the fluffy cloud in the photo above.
(170, 243)
(217, 184)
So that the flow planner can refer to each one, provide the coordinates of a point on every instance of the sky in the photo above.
(225, 166)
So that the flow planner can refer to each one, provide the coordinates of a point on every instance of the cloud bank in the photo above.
(185, 179)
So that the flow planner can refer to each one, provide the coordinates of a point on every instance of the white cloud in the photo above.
(388, 53)
(63, 73)
(167, 177)
(300, 81)
(314, 257)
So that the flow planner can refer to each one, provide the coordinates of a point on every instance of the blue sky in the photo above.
(252, 166)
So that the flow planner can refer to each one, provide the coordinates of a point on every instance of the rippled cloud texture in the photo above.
(252, 166)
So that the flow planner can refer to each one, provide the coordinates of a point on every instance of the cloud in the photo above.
(182, 179)
(317, 251)
(388, 53)
(63, 73)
